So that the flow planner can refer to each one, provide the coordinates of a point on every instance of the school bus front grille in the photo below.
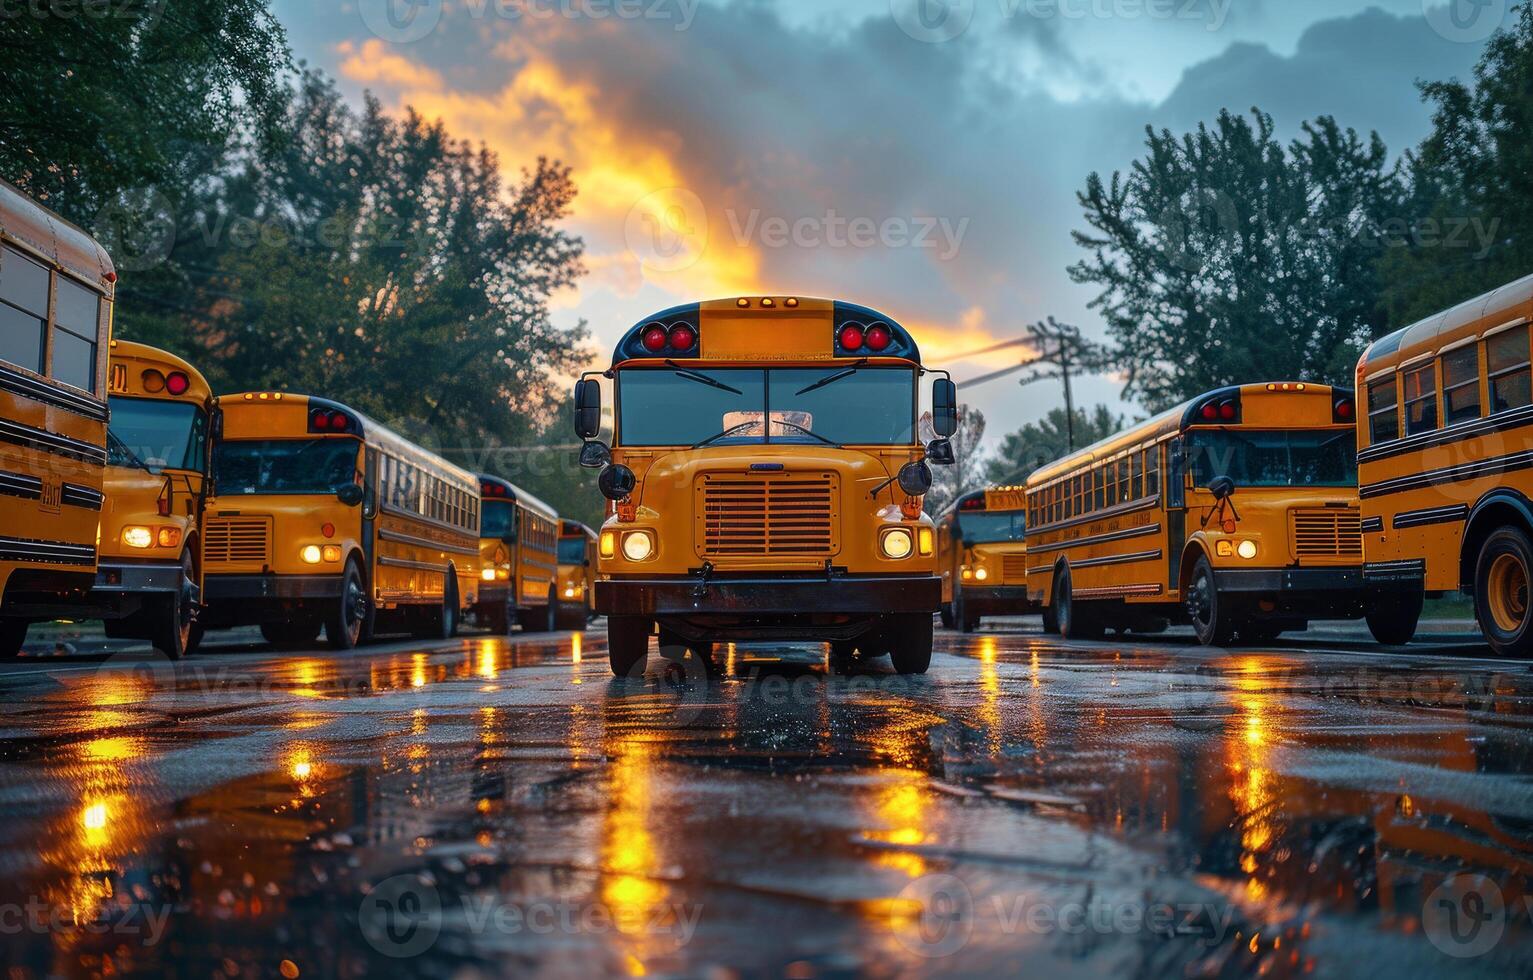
(1331, 533)
(792, 516)
(238, 541)
(1014, 568)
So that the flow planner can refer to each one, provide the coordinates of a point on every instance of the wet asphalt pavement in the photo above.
(502, 807)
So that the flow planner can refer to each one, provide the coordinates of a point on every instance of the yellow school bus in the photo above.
(1446, 460)
(1237, 512)
(56, 291)
(767, 481)
(576, 586)
(324, 519)
(518, 546)
(149, 584)
(982, 557)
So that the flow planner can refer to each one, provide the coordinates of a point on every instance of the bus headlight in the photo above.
(968, 573)
(138, 537)
(924, 541)
(488, 575)
(981, 574)
(897, 544)
(609, 544)
(311, 555)
(1246, 550)
(638, 545)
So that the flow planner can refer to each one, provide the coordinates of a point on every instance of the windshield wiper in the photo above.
(812, 435)
(702, 379)
(831, 379)
(120, 448)
(732, 430)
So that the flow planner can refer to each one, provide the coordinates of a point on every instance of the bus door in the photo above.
(1175, 486)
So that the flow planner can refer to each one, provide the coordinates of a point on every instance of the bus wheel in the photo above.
(910, 642)
(344, 626)
(628, 645)
(442, 624)
(498, 620)
(966, 619)
(1075, 621)
(1393, 620)
(13, 633)
(299, 633)
(1213, 615)
(947, 616)
(173, 619)
(194, 638)
(1050, 620)
(1501, 592)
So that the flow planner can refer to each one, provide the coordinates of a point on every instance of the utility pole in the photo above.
(1058, 351)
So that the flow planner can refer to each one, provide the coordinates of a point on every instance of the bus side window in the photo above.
(1507, 360)
(1421, 400)
(1136, 490)
(1383, 411)
(1152, 471)
(1100, 492)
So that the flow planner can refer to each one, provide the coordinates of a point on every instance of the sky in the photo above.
(917, 156)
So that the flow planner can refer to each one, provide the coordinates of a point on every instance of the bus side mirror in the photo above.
(1223, 488)
(945, 408)
(588, 408)
(940, 453)
(915, 479)
(594, 456)
(351, 495)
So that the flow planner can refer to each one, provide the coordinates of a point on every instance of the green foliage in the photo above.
(1471, 186)
(1223, 257)
(107, 96)
(1040, 443)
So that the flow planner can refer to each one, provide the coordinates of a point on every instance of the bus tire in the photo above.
(13, 633)
(628, 645)
(1213, 616)
(174, 615)
(346, 624)
(947, 616)
(965, 621)
(910, 640)
(1393, 620)
(1501, 582)
(1076, 620)
(442, 623)
(298, 633)
(498, 620)
(1050, 620)
(194, 638)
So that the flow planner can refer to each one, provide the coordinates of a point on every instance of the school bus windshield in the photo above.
(1279, 458)
(317, 466)
(981, 528)
(498, 520)
(157, 434)
(837, 404)
(572, 551)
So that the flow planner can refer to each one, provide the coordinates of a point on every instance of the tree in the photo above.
(1040, 443)
(1222, 258)
(1471, 186)
(380, 262)
(110, 96)
(968, 473)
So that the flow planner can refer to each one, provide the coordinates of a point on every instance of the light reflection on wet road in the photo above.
(495, 807)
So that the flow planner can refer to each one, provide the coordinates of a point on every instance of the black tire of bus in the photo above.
(948, 621)
(498, 619)
(1501, 585)
(1077, 620)
(628, 645)
(13, 633)
(1050, 620)
(1393, 619)
(348, 624)
(298, 633)
(1215, 617)
(442, 623)
(194, 638)
(174, 615)
(966, 618)
(910, 639)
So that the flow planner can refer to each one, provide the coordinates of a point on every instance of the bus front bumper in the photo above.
(114, 578)
(1317, 580)
(757, 597)
(225, 588)
(997, 600)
